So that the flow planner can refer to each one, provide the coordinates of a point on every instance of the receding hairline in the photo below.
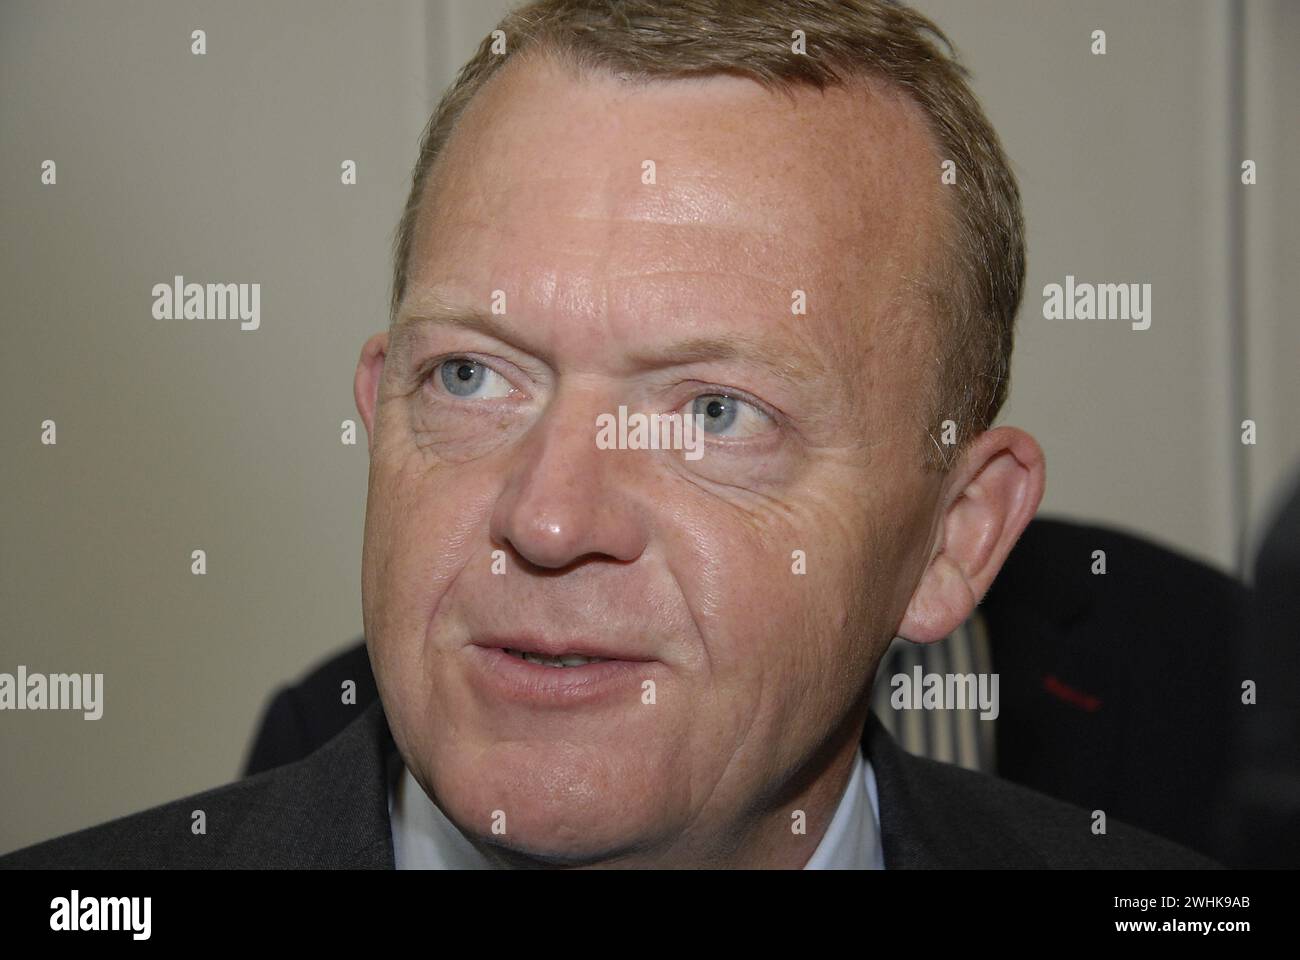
(939, 205)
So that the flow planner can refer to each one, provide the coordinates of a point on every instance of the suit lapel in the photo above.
(345, 796)
(904, 841)
(938, 815)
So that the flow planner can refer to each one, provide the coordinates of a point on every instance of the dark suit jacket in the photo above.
(330, 809)
(1122, 691)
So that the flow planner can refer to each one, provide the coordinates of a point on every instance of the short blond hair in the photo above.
(975, 286)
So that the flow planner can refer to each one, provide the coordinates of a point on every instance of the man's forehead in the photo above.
(720, 152)
(604, 202)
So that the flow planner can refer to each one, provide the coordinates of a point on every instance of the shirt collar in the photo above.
(852, 841)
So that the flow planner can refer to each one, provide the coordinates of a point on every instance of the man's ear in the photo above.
(990, 497)
(365, 384)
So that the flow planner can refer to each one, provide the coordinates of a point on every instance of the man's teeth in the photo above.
(568, 660)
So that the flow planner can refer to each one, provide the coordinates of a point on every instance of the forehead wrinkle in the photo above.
(792, 364)
(704, 199)
(711, 274)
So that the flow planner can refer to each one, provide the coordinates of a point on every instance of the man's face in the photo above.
(743, 597)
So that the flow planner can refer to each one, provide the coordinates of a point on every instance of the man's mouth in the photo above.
(562, 672)
(564, 660)
(555, 651)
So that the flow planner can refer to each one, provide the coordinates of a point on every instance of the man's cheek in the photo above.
(423, 533)
(790, 626)
(755, 621)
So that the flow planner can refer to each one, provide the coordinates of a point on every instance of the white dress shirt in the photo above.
(424, 839)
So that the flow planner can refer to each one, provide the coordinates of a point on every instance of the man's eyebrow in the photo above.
(797, 366)
(468, 318)
(471, 318)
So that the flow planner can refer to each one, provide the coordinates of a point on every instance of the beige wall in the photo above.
(176, 435)
(1128, 172)
(1271, 355)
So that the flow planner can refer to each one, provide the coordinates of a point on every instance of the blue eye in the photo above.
(463, 378)
(719, 412)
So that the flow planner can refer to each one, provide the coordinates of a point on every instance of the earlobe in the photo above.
(997, 488)
(943, 599)
(365, 383)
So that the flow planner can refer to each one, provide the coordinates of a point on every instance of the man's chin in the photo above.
(556, 815)
(552, 852)
(547, 836)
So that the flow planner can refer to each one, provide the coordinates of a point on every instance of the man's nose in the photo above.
(565, 498)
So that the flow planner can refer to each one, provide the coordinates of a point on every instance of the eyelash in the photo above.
(430, 368)
(713, 390)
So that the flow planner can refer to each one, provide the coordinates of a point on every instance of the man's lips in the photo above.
(557, 646)
(616, 678)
